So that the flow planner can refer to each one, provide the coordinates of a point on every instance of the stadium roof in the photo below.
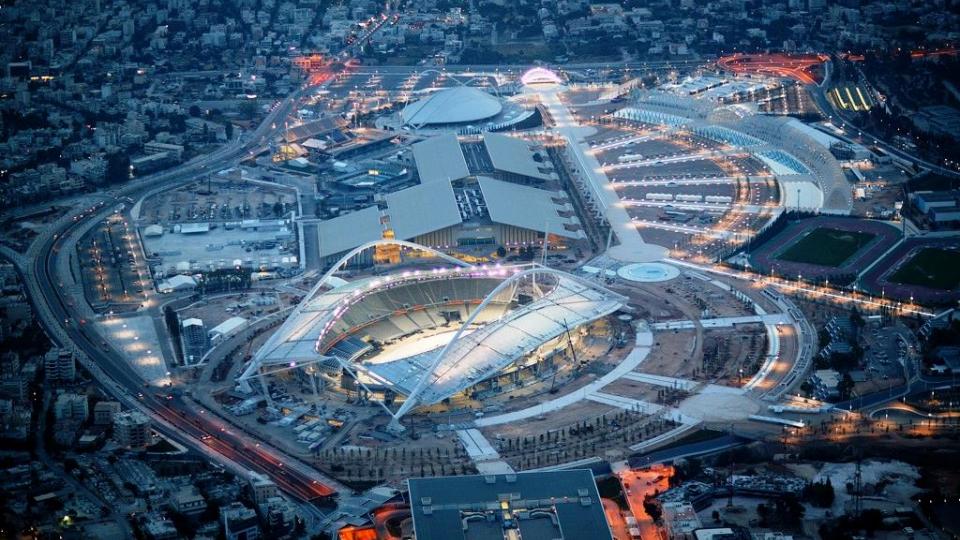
(413, 211)
(296, 339)
(567, 502)
(514, 155)
(487, 351)
(440, 159)
(539, 210)
(422, 209)
(479, 355)
(455, 105)
(348, 231)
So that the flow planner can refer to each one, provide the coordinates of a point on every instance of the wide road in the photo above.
(172, 416)
(819, 94)
(170, 409)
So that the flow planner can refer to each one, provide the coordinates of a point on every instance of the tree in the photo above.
(845, 387)
(819, 494)
(248, 109)
(652, 509)
(118, 168)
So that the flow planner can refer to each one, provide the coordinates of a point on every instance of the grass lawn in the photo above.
(931, 267)
(826, 247)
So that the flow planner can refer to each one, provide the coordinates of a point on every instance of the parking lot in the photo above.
(225, 201)
(110, 267)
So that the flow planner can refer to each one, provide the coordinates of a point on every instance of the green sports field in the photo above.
(826, 247)
(931, 267)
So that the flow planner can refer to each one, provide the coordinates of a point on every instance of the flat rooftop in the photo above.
(539, 505)
(530, 208)
(440, 159)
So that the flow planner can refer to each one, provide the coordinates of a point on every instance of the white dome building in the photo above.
(458, 105)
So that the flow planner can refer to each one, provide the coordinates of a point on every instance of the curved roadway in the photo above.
(172, 414)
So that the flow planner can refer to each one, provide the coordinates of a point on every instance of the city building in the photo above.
(226, 329)
(188, 500)
(104, 412)
(263, 488)
(71, 408)
(59, 365)
(680, 520)
(534, 506)
(195, 340)
(158, 527)
(131, 429)
(176, 283)
(239, 522)
(155, 147)
(279, 516)
(826, 384)
(471, 190)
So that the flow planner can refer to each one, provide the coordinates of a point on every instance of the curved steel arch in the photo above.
(411, 400)
(430, 70)
(381, 242)
(453, 76)
(271, 343)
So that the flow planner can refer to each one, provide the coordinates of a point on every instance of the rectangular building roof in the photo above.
(439, 504)
(823, 139)
(513, 155)
(194, 228)
(228, 326)
(529, 208)
(440, 159)
(422, 209)
(348, 231)
(310, 129)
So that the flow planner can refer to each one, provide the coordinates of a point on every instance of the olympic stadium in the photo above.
(419, 337)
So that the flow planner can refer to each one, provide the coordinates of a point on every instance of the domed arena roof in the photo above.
(451, 106)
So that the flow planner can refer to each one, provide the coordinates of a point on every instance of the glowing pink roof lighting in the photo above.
(539, 75)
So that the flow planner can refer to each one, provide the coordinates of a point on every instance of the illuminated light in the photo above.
(540, 76)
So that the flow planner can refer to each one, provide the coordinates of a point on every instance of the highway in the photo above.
(172, 415)
(819, 94)
(168, 409)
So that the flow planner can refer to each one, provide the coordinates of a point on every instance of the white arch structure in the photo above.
(271, 344)
(412, 399)
(573, 298)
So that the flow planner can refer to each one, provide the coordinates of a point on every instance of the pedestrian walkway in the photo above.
(699, 207)
(632, 248)
(643, 407)
(484, 455)
(769, 361)
(724, 322)
(641, 350)
(662, 380)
